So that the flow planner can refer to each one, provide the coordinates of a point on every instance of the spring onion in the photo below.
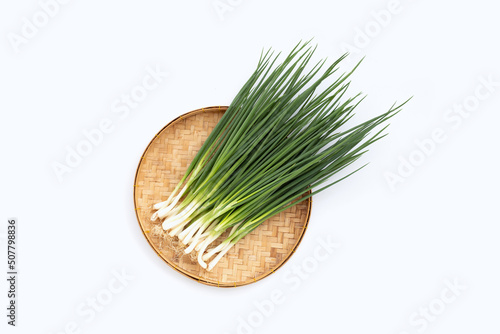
(279, 139)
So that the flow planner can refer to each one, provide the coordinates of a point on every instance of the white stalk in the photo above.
(171, 198)
(212, 251)
(203, 237)
(167, 205)
(204, 246)
(197, 240)
(170, 211)
(202, 229)
(187, 238)
(188, 229)
(167, 210)
(217, 249)
(173, 223)
(161, 205)
(154, 216)
(207, 233)
(212, 264)
(169, 224)
(188, 233)
(176, 230)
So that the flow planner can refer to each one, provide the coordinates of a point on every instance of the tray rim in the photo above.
(181, 270)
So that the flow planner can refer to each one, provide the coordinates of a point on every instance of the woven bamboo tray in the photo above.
(161, 167)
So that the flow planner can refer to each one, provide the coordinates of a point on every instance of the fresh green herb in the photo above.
(278, 139)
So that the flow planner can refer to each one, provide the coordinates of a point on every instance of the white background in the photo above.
(399, 245)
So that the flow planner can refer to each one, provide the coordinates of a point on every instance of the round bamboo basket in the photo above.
(161, 167)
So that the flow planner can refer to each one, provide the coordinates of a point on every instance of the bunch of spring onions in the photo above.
(278, 139)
